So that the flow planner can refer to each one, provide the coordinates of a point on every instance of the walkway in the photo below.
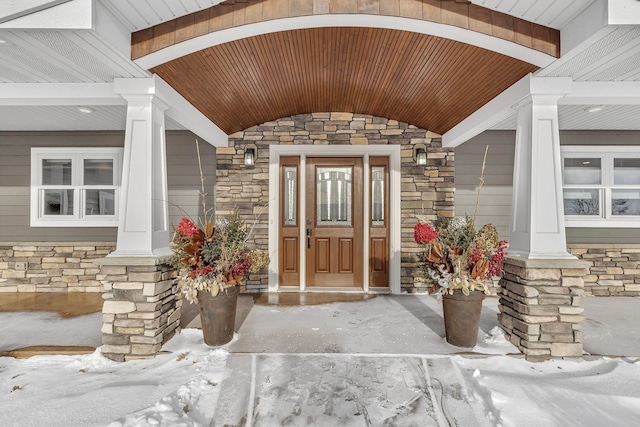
(351, 362)
(372, 362)
(411, 324)
(346, 389)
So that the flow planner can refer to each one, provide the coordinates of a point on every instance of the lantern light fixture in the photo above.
(420, 154)
(250, 155)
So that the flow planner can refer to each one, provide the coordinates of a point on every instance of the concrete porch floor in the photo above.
(302, 323)
(67, 304)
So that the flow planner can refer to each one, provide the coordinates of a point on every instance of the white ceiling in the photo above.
(85, 56)
(140, 14)
(61, 57)
(551, 13)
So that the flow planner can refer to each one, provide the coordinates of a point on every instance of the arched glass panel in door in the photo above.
(333, 195)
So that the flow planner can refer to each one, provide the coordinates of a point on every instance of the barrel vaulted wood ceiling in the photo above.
(428, 81)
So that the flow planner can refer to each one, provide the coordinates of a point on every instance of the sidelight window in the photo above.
(290, 195)
(377, 195)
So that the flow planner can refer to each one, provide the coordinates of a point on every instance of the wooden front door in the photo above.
(334, 204)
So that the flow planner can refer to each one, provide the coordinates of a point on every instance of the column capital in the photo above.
(550, 85)
(545, 91)
(144, 99)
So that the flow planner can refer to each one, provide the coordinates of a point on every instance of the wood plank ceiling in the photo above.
(430, 82)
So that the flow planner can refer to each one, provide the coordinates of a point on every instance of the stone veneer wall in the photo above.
(427, 190)
(541, 306)
(614, 271)
(52, 267)
(141, 309)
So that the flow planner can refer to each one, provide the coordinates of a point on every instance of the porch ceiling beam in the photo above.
(179, 108)
(33, 94)
(496, 110)
(603, 93)
(503, 106)
(183, 112)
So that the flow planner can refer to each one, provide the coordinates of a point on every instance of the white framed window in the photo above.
(601, 186)
(75, 187)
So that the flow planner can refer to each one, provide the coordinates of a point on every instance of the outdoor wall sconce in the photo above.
(250, 155)
(420, 154)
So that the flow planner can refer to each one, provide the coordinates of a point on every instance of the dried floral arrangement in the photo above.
(213, 256)
(456, 256)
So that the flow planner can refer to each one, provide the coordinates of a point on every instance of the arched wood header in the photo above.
(433, 82)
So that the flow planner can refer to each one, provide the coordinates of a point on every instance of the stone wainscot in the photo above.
(52, 267)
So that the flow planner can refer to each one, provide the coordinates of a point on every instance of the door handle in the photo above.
(309, 232)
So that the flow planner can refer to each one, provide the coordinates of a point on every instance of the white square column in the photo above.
(143, 228)
(537, 229)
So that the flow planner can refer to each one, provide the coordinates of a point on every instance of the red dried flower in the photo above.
(241, 264)
(202, 271)
(187, 228)
(424, 233)
(495, 265)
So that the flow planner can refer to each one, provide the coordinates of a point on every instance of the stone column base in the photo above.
(141, 309)
(541, 306)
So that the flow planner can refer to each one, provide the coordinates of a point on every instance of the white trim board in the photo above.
(463, 35)
(364, 151)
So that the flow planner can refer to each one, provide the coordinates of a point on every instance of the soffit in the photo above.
(613, 57)
(61, 57)
(428, 81)
(86, 56)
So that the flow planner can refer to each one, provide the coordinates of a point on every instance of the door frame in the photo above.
(364, 151)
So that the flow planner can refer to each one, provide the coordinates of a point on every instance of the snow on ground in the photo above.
(177, 388)
(373, 362)
(601, 392)
(182, 386)
(17, 329)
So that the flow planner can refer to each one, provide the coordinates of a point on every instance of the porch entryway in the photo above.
(334, 219)
(276, 191)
